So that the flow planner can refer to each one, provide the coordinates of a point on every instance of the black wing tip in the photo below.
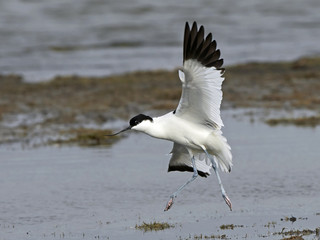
(185, 168)
(200, 48)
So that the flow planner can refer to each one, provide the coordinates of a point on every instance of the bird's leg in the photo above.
(175, 194)
(224, 194)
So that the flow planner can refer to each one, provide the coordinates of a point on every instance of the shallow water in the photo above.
(41, 39)
(86, 193)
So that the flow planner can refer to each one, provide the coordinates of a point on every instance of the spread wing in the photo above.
(201, 77)
(181, 161)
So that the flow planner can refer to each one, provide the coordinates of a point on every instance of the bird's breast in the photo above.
(185, 133)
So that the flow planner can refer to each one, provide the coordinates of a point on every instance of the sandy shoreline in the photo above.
(72, 109)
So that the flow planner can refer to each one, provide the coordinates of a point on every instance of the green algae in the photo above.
(311, 121)
(72, 101)
(229, 226)
(202, 236)
(86, 137)
(154, 226)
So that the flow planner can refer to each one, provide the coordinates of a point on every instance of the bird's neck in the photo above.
(157, 128)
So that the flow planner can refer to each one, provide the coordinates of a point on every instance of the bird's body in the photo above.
(195, 125)
(166, 127)
(190, 135)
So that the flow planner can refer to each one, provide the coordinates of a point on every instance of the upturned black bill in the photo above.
(126, 129)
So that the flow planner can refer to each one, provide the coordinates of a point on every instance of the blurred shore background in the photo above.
(81, 57)
(42, 39)
(72, 71)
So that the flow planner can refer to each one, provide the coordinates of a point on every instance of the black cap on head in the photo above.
(138, 119)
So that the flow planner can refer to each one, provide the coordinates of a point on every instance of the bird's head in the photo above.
(140, 123)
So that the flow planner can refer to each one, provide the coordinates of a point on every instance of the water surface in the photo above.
(73, 192)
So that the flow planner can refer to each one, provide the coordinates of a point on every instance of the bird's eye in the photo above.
(136, 122)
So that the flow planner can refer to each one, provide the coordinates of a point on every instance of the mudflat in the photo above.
(75, 109)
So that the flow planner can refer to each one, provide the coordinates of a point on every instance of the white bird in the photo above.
(195, 126)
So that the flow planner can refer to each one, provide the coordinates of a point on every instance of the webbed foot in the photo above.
(169, 204)
(228, 202)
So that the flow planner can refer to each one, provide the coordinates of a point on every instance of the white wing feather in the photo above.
(202, 78)
(181, 161)
(201, 94)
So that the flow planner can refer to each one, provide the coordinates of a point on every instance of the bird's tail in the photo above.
(221, 151)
